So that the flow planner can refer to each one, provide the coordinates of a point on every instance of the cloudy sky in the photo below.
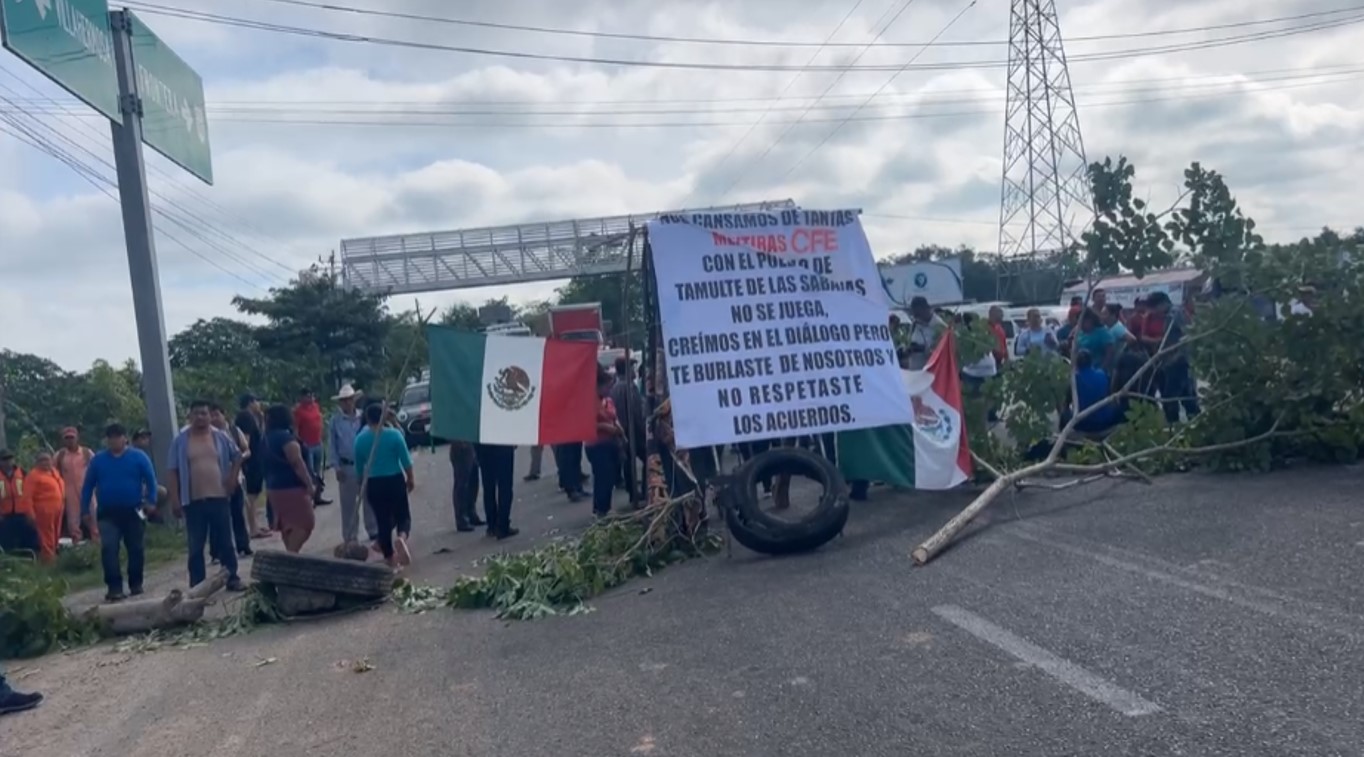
(451, 140)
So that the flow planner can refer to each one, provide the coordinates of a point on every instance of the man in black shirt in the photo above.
(250, 421)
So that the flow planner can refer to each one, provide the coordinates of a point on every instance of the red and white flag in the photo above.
(942, 458)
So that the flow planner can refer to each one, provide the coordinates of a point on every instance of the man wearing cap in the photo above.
(308, 429)
(342, 429)
(71, 461)
(121, 476)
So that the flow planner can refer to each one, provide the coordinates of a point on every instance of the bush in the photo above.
(33, 620)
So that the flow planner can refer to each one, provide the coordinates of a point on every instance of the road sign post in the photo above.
(137, 232)
(172, 94)
(68, 41)
(120, 68)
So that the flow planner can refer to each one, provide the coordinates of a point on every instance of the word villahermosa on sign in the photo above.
(775, 331)
(94, 39)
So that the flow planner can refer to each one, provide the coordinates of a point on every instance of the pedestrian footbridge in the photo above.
(499, 255)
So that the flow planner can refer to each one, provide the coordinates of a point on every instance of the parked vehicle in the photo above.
(577, 323)
(414, 412)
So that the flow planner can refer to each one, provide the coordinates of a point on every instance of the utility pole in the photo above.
(1045, 199)
(137, 232)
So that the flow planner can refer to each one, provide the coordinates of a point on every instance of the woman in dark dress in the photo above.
(287, 479)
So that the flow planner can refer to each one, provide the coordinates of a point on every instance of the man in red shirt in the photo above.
(308, 428)
(604, 453)
(1001, 339)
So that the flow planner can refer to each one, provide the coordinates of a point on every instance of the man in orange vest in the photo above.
(17, 530)
(46, 492)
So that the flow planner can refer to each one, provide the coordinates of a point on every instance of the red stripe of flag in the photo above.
(568, 403)
(947, 385)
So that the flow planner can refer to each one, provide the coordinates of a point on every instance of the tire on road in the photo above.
(763, 541)
(762, 532)
(347, 577)
(791, 461)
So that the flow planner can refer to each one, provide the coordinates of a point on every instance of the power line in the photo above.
(455, 21)
(100, 142)
(228, 105)
(952, 21)
(172, 213)
(741, 172)
(100, 183)
(773, 105)
(391, 123)
(247, 23)
(935, 97)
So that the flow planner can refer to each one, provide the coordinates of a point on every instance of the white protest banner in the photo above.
(774, 325)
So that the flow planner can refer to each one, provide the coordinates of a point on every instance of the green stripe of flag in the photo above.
(456, 382)
(878, 454)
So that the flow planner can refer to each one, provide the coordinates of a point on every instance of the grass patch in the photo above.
(79, 567)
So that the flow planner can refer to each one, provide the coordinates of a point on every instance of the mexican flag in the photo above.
(931, 453)
(514, 390)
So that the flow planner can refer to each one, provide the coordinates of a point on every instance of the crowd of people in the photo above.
(1105, 343)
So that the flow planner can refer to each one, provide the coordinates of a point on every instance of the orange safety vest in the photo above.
(12, 499)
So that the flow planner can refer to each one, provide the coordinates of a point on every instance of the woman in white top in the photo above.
(1036, 336)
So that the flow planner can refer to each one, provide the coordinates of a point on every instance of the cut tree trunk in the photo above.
(149, 614)
(209, 587)
(177, 608)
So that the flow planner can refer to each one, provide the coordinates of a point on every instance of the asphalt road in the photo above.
(1199, 616)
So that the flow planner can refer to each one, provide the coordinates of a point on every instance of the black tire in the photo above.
(766, 542)
(345, 577)
(831, 509)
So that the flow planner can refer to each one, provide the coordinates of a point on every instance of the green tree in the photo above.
(1272, 388)
(213, 342)
(337, 333)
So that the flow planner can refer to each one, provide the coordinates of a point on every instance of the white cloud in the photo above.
(287, 193)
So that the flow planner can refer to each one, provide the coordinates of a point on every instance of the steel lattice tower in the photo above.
(1045, 198)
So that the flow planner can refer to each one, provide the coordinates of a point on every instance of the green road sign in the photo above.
(173, 118)
(69, 41)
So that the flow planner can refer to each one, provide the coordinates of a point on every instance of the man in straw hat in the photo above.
(345, 423)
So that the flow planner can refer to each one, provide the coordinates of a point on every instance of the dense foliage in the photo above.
(1273, 389)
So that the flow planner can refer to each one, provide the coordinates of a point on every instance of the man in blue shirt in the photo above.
(119, 475)
(1092, 386)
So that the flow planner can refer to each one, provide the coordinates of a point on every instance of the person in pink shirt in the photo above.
(71, 461)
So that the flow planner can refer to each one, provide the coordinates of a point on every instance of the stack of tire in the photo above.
(306, 585)
(771, 534)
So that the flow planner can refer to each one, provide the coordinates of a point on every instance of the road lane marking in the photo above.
(1099, 689)
(1274, 604)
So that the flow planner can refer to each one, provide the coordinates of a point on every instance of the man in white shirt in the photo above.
(924, 328)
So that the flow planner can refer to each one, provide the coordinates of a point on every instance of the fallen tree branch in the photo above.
(938, 541)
